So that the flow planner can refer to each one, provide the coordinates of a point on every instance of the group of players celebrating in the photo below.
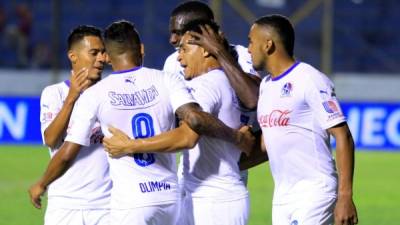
(113, 140)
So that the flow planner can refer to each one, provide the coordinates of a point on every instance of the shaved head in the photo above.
(280, 29)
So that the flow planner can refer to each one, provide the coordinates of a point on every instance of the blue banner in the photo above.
(374, 126)
(19, 120)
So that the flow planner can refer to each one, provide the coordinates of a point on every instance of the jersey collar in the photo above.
(68, 83)
(286, 72)
(127, 71)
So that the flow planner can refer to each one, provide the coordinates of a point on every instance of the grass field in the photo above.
(377, 180)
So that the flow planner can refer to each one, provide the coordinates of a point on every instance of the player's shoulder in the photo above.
(56, 88)
(241, 49)
(312, 73)
(214, 80)
(171, 62)
(173, 56)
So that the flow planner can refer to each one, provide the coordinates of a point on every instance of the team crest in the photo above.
(287, 90)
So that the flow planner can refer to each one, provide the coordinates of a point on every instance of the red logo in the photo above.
(276, 118)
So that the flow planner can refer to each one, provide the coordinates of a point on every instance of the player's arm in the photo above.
(205, 124)
(171, 141)
(57, 166)
(257, 156)
(345, 210)
(246, 86)
(55, 131)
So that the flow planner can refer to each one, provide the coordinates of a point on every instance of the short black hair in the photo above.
(195, 25)
(197, 9)
(122, 37)
(283, 27)
(78, 33)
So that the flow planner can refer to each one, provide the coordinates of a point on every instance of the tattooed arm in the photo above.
(205, 124)
(194, 122)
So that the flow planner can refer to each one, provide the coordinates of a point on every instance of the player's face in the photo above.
(255, 48)
(90, 53)
(175, 29)
(190, 57)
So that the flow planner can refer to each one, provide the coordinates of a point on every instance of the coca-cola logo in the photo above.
(277, 118)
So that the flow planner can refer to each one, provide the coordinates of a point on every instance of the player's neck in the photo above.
(277, 66)
(123, 63)
(211, 65)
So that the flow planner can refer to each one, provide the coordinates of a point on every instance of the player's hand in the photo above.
(209, 40)
(36, 192)
(79, 82)
(247, 140)
(345, 211)
(117, 144)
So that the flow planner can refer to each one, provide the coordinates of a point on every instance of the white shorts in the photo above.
(55, 216)
(305, 212)
(166, 214)
(206, 211)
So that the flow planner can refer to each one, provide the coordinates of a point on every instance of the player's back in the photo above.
(86, 184)
(142, 103)
(210, 168)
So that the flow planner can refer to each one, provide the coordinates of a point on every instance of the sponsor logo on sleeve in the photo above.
(330, 106)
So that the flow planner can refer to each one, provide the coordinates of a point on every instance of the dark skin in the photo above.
(213, 43)
(257, 156)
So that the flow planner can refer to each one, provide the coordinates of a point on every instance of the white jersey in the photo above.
(294, 111)
(86, 184)
(211, 169)
(142, 103)
(172, 64)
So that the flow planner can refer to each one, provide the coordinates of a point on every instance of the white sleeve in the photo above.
(50, 105)
(244, 60)
(320, 96)
(179, 93)
(83, 118)
(206, 94)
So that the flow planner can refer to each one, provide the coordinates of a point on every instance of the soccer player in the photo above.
(82, 194)
(214, 192)
(141, 102)
(237, 65)
(235, 60)
(298, 111)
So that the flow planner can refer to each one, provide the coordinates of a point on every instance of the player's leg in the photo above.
(96, 216)
(56, 216)
(164, 214)
(207, 211)
(314, 212)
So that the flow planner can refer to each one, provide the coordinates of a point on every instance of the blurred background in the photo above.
(355, 42)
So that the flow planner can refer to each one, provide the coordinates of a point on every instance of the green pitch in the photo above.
(377, 185)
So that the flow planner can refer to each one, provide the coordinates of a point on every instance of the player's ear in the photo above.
(72, 56)
(269, 46)
(142, 50)
(205, 53)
